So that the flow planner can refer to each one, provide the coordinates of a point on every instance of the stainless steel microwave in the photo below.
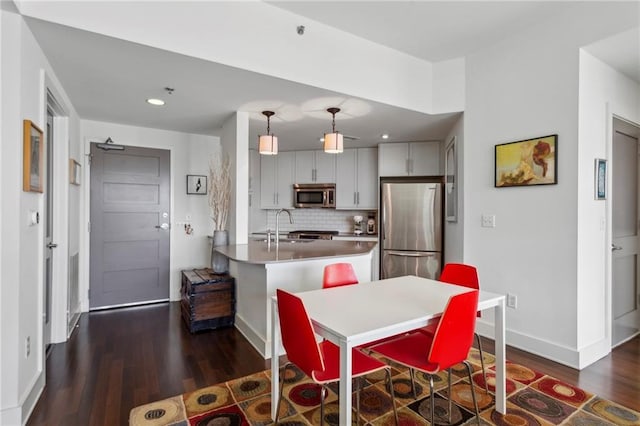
(314, 195)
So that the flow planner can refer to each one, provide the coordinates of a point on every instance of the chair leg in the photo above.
(484, 373)
(473, 391)
(358, 400)
(413, 383)
(282, 376)
(450, 404)
(322, 393)
(433, 402)
(393, 395)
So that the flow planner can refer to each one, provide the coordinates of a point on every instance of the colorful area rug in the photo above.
(532, 399)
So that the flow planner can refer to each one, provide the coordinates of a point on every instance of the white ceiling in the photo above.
(108, 79)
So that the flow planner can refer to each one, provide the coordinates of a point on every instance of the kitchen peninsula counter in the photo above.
(257, 252)
(294, 267)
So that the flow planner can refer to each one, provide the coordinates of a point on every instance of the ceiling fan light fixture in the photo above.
(334, 141)
(268, 144)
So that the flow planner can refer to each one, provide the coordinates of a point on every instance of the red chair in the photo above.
(319, 361)
(465, 275)
(448, 346)
(338, 274)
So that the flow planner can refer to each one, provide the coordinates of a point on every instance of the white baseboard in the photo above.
(571, 357)
(261, 345)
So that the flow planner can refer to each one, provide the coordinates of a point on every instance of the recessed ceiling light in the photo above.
(322, 139)
(156, 102)
(385, 136)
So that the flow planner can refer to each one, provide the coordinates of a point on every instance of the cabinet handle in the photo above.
(358, 197)
(249, 200)
(354, 198)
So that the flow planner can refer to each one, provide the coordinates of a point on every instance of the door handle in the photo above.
(409, 254)
(164, 226)
(52, 245)
(615, 247)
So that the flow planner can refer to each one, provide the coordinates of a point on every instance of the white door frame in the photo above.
(60, 223)
(611, 115)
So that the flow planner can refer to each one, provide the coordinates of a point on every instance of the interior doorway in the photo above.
(130, 231)
(49, 243)
(625, 258)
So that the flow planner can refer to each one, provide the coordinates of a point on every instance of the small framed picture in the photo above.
(197, 184)
(450, 184)
(33, 158)
(74, 172)
(601, 179)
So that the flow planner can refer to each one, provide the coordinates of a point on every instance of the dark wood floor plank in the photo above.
(119, 359)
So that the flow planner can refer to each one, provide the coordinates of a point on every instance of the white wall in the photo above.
(527, 86)
(376, 72)
(235, 143)
(25, 76)
(189, 155)
(603, 92)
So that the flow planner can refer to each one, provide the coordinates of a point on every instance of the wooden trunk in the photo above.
(208, 299)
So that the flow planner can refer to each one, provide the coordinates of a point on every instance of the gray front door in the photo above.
(130, 201)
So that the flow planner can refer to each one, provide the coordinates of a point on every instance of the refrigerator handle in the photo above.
(409, 253)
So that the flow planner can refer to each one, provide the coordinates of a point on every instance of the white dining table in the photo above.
(353, 315)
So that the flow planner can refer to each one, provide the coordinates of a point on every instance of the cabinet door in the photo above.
(393, 159)
(285, 174)
(325, 167)
(268, 181)
(304, 167)
(367, 165)
(346, 177)
(424, 158)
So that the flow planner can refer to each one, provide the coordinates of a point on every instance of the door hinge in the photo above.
(89, 157)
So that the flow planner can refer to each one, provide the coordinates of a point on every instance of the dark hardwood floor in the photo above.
(118, 359)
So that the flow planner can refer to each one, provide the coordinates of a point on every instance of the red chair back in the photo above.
(454, 336)
(298, 338)
(338, 274)
(460, 274)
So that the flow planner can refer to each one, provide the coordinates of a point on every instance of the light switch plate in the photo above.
(488, 221)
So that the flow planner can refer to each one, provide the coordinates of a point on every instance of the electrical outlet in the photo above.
(488, 221)
(27, 347)
(512, 301)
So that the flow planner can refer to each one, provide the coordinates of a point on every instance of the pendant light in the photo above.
(268, 144)
(333, 141)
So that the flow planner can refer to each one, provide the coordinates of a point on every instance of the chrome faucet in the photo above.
(278, 223)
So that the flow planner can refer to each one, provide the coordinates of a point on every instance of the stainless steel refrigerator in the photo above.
(411, 229)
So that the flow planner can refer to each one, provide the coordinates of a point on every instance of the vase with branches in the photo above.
(219, 202)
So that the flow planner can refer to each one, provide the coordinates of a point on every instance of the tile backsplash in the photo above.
(317, 219)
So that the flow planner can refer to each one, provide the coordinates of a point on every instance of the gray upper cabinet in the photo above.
(276, 180)
(409, 159)
(357, 179)
(315, 167)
